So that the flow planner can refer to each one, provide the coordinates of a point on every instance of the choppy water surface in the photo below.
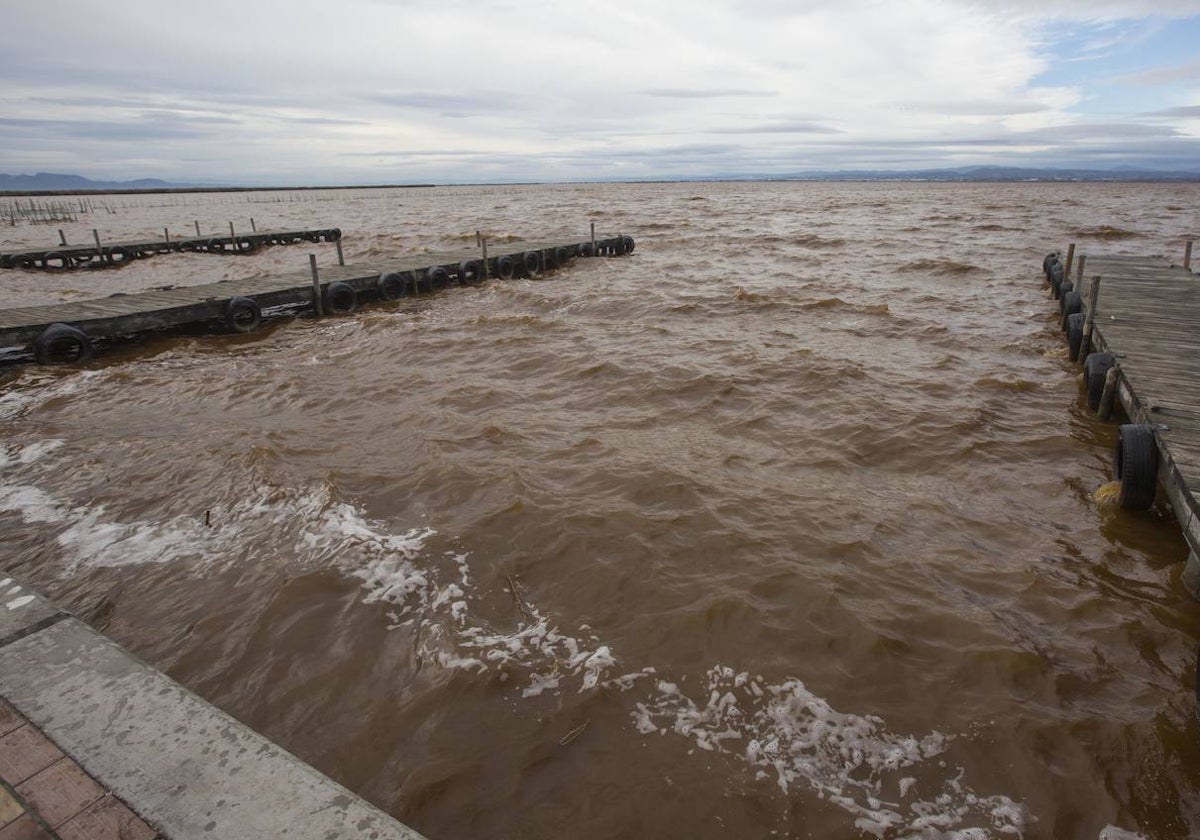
(783, 525)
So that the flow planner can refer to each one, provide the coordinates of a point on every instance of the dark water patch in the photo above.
(1105, 232)
(940, 266)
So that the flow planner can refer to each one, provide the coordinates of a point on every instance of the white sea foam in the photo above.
(1112, 832)
(786, 733)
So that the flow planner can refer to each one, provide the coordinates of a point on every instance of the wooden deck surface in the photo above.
(1148, 316)
(123, 314)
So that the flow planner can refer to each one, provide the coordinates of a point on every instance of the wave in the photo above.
(938, 266)
(1105, 232)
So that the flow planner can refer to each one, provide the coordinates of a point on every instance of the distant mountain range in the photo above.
(55, 182)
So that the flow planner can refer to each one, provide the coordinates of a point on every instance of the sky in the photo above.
(443, 91)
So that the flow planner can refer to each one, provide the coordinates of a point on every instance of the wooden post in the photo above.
(167, 236)
(341, 258)
(62, 240)
(312, 263)
(483, 245)
(232, 236)
(253, 227)
(1093, 297)
(1079, 271)
(1187, 255)
(1070, 259)
(197, 223)
(96, 235)
(478, 239)
(1109, 396)
(593, 239)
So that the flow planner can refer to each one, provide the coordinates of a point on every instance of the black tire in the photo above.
(531, 262)
(1135, 465)
(118, 255)
(505, 268)
(64, 262)
(340, 299)
(215, 246)
(470, 271)
(1050, 258)
(391, 285)
(628, 244)
(246, 245)
(311, 236)
(437, 277)
(243, 314)
(22, 261)
(1071, 303)
(586, 249)
(1056, 278)
(1095, 369)
(62, 344)
(1075, 335)
(561, 256)
(1063, 288)
(333, 234)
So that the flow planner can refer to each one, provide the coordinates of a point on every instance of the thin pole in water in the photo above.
(316, 278)
(483, 245)
(232, 236)
(253, 227)
(1070, 259)
(1187, 255)
(167, 236)
(1092, 300)
(197, 223)
(593, 239)
(62, 239)
(341, 258)
(1079, 271)
(96, 235)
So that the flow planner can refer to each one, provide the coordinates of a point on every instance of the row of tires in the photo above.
(65, 344)
(1135, 454)
(122, 254)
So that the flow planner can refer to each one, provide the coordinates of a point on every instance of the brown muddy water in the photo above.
(782, 525)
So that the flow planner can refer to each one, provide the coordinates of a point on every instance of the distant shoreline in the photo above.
(948, 178)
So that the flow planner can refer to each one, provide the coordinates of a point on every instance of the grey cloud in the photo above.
(1186, 111)
(708, 93)
(975, 108)
(1163, 75)
(451, 102)
(783, 127)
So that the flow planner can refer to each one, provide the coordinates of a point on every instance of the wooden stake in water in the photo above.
(253, 227)
(1079, 271)
(96, 235)
(232, 236)
(1109, 396)
(1070, 259)
(167, 236)
(341, 258)
(197, 223)
(1092, 299)
(483, 245)
(316, 278)
(593, 239)
(62, 240)
(1187, 255)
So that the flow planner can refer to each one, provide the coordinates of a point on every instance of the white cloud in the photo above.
(369, 90)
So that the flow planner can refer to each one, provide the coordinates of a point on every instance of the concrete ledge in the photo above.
(188, 768)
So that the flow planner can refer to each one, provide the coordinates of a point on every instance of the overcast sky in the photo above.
(401, 91)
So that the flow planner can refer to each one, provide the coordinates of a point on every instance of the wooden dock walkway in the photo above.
(1134, 323)
(101, 254)
(67, 332)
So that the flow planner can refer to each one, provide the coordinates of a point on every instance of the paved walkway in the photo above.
(44, 794)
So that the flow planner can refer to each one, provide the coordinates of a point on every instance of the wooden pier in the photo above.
(101, 254)
(67, 332)
(1134, 324)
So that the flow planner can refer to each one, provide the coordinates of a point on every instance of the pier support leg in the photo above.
(1070, 261)
(316, 278)
(1187, 255)
(1109, 397)
(341, 256)
(1191, 576)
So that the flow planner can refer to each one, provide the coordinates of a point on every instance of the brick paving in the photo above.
(44, 795)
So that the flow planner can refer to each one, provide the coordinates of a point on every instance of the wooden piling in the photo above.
(253, 227)
(197, 224)
(62, 239)
(316, 283)
(593, 239)
(232, 236)
(341, 258)
(96, 236)
(1079, 271)
(1109, 396)
(483, 245)
(167, 236)
(1187, 255)
(1092, 300)
(1070, 260)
